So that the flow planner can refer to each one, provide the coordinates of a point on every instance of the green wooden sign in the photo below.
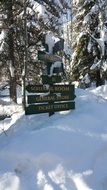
(51, 79)
(53, 89)
(45, 108)
(43, 56)
(50, 98)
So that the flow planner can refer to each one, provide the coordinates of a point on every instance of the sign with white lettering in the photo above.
(49, 98)
(45, 108)
(53, 89)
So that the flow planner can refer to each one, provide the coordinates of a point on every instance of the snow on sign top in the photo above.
(50, 41)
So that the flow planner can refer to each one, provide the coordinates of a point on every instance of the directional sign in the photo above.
(43, 56)
(45, 108)
(53, 89)
(49, 98)
(51, 79)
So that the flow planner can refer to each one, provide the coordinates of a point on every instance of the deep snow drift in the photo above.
(67, 151)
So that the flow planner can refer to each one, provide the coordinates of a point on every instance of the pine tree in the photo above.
(88, 27)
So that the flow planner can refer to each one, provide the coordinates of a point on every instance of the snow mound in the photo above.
(9, 181)
(64, 152)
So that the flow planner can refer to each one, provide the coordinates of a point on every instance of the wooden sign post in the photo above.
(53, 97)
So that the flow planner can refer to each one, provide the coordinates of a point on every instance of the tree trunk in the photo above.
(11, 58)
(25, 57)
(99, 80)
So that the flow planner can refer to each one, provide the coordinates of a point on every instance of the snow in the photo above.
(11, 68)
(86, 19)
(94, 9)
(86, 79)
(58, 3)
(67, 50)
(50, 41)
(96, 65)
(9, 181)
(66, 151)
(104, 34)
(2, 37)
(104, 66)
(89, 47)
(56, 64)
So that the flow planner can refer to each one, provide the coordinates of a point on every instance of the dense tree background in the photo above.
(37, 17)
(90, 34)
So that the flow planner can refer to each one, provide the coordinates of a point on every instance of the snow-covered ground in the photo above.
(67, 151)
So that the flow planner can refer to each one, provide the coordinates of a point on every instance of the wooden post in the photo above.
(48, 73)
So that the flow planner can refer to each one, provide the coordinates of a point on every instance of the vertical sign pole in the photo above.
(48, 73)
